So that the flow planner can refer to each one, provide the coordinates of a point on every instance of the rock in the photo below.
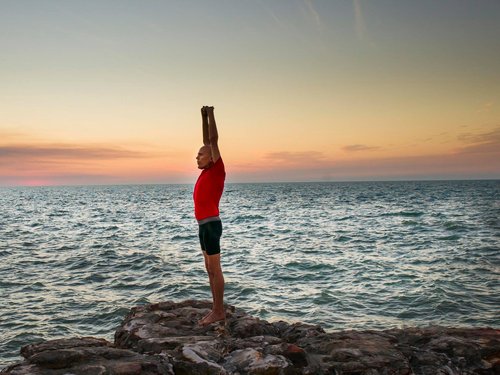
(204, 353)
(86, 356)
(251, 361)
(451, 350)
(359, 352)
(165, 338)
(30, 350)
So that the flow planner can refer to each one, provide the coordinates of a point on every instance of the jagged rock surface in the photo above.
(86, 355)
(165, 338)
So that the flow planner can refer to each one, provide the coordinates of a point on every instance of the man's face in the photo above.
(204, 157)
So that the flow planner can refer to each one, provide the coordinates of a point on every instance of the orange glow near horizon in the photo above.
(65, 164)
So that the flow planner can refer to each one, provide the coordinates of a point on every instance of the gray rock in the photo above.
(81, 356)
(251, 361)
(165, 338)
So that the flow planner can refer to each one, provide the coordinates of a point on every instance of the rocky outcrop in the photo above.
(165, 338)
(86, 355)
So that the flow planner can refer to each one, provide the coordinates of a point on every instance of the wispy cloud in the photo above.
(10, 135)
(44, 159)
(278, 21)
(485, 137)
(485, 107)
(63, 151)
(487, 142)
(357, 147)
(359, 20)
(478, 158)
(315, 15)
(296, 157)
(55, 164)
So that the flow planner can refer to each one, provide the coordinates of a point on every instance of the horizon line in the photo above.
(260, 182)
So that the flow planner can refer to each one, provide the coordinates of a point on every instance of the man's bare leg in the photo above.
(217, 286)
(210, 279)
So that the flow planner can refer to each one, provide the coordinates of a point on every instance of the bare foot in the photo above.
(201, 322)
(204, 317)
(212, 318)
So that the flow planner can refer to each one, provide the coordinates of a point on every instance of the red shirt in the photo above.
(208, 191)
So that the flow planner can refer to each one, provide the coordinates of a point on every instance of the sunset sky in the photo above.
(109, 91)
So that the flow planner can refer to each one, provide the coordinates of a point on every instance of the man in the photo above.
(206, 195)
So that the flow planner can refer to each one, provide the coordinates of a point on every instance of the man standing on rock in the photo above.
(207, 194)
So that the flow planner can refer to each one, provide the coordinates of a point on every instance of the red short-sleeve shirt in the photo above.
(208, 191)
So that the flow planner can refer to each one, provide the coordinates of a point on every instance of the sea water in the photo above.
(74, 260)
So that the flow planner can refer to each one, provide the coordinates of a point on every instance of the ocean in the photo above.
(353, 255)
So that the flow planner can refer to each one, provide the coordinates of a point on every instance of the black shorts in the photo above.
(210, 234)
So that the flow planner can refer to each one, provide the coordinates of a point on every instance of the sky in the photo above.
(110, 91)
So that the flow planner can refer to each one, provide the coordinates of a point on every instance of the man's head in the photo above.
(204, 157)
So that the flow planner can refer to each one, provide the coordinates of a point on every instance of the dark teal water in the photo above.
(343, 255)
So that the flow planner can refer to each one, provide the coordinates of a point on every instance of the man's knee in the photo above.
(213, 264)
(211, 272)
(214, 269)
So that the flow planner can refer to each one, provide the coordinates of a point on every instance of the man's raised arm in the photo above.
(204, 120)
(213, 136)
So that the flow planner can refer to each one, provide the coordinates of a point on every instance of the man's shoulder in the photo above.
(219, 163)
(219, 167)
